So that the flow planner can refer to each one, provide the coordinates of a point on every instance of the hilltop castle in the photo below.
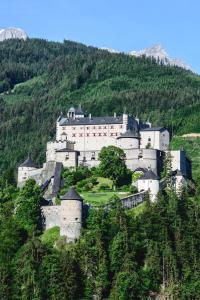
(80, 138)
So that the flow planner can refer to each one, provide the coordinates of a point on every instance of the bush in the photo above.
(104, 187)
(125, 188)
(133, 189)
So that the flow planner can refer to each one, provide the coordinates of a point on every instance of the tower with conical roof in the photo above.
(71, 215)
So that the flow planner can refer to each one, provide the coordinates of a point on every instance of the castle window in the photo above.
(87, 134)
(76, 219)
(93, 156)
(73, 128)
(73, 134)
(105, 127)
(87, 128)
(99, 127)
(149, 139)
(105, 134)
(111, 126)
(140, 155)
(67, 156)
(111, 134)
(94, 134)
(99, 134)
(94, 127)
(120, 126)
(80, 134)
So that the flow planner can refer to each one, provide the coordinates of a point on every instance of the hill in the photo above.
(39, 79)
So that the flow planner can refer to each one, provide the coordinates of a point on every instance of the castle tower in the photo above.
(128, 140)
(149, 182)
(71, 215)
(24, 170)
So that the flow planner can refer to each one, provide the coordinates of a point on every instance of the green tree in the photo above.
(112, 165)
(27, 205)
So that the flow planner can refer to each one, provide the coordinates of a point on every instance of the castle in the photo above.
(80, 138)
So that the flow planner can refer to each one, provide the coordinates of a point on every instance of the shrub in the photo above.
(104, 187)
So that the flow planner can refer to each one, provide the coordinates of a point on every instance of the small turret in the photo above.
(71, 113)
(71, 215)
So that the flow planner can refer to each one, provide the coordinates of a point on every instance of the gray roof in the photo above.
(91, 121)
(66, 150)
(154, 129)
(28, 163)
(79, 111)
(139, 169)
(128, 134)
(149, 175)
(72, 195)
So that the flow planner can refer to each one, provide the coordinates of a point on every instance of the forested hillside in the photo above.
(120, 255)
(39, 79)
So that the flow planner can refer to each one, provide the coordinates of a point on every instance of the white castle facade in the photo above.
(80, 138)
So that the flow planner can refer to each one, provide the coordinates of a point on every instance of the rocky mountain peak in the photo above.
(158, 52)
(12, 33)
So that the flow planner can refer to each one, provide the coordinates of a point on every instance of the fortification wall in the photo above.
(51, 215)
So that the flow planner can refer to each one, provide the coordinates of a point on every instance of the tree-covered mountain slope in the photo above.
(39, 79)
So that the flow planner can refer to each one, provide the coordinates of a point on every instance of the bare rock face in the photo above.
(12, 33)
(159, 53)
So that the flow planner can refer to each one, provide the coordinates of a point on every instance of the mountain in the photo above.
(12, 33)
(40, 79)
(159, 53)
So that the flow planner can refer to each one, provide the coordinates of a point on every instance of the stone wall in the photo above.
(51, 214)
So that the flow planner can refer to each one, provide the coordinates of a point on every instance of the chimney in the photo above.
(90, 116)
(115, 115)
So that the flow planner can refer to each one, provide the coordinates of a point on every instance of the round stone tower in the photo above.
(128, 140)
(71, 215)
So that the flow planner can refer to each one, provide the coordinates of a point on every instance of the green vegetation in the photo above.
(39, 79)
(50, 236)
(101, 198)
(112, 165)
(151, 249)
(192, 148)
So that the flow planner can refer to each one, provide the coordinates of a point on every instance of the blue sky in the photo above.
(124, 25)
